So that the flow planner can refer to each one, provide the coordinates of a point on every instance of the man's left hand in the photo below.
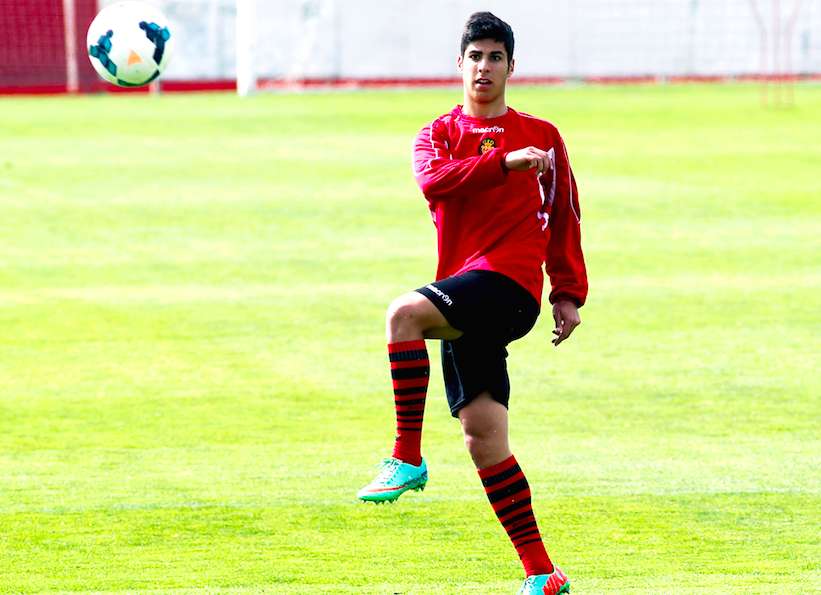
(566, 315)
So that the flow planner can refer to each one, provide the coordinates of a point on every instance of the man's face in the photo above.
(484, 70)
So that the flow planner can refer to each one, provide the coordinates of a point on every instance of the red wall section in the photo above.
(32, 47)
(32, 51)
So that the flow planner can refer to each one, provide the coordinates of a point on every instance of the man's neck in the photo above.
(485, 110)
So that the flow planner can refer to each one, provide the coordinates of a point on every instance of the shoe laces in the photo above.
(529, 582)
(389, 468)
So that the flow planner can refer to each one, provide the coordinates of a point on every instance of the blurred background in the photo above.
(299, 42)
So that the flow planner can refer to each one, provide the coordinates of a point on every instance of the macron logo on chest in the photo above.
(488, 129)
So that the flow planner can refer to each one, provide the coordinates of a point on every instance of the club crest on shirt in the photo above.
(486, 145)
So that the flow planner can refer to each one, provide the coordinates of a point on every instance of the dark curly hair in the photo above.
(486, 25)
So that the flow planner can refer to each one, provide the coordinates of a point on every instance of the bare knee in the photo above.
(404, 317)
(411, 316)
(478, 438)
(484, 425)
(475, 445)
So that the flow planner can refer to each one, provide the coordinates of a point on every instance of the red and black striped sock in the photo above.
(410, 369)
(509, 495)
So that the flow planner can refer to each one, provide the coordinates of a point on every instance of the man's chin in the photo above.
(484, 97)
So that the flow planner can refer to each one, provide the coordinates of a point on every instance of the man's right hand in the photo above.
(528, 158)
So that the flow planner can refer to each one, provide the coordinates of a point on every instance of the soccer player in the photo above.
(504, 202)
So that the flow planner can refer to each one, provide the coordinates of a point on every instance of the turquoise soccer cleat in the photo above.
(395, 478)
(546, 584)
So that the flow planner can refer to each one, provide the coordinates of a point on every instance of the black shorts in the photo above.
(491, 310)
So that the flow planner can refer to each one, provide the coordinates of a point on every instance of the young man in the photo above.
(504, 202)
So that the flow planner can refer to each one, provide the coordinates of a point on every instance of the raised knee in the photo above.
(402, 310)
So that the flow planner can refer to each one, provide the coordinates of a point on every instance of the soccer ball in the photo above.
(129, 43)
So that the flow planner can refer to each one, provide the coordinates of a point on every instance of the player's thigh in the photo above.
(484, 304)
(473, 366)
(416, 309)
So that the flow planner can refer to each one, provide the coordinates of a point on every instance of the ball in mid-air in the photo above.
(129, 43)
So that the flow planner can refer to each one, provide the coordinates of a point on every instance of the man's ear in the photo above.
(510, 67)
(459, 63)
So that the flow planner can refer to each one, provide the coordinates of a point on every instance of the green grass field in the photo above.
(193, 379)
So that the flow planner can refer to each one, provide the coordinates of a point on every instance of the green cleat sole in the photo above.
(418, 488)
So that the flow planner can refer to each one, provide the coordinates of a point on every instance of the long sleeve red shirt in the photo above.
(488, 218)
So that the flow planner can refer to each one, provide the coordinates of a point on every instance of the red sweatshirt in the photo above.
(488, 218)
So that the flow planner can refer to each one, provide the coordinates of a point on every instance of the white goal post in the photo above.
(246, 32)
(70, 34)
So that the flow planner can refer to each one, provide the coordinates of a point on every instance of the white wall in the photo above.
(568, 38)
